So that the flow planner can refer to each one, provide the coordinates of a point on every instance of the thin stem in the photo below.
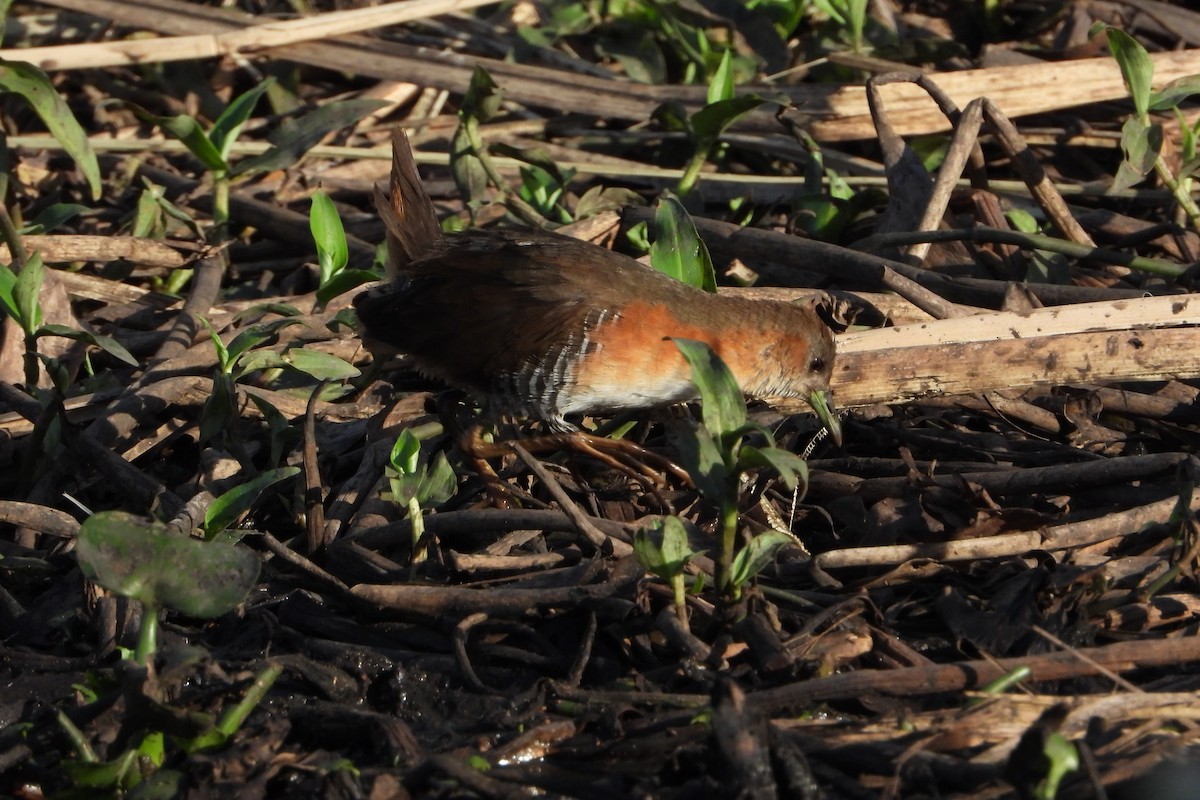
(147, 635)
(729, 522)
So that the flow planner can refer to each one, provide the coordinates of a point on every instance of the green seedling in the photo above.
(827, 205)
(137, 772)
(704, 128)
(20, 298)
(851, 15)
(1063, 759)
(1141, 138)
(213, 147)
(417, 484)
(662, 549)
(227, 509)
(244, 354)
(716, 455)
(333, 254)
(145, 561)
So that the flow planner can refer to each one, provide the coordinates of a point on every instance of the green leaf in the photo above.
(721, 86)
(35, 87)
(54, 216)
(226, 128)
(296, 137)
(342, 282)
(702, 458)
(792, 469)
(439, 482)
(759, 552)
(322, 366)
(27, 293)
(483, 97)
(258, 309)
(220, 409)
(8, 284)
(143, 559)
(1063, 758)
(1141, 145)
(277, 426)
(678, 251)
(328, 235)
(470, 176)
(723, 406)
(1136, 67)
(662, 547)
(1175, 93)
(227, 508)
(187, 130)
(405, 453)
(254, 335)
(105, 343)
(711, 121)
(224, 362)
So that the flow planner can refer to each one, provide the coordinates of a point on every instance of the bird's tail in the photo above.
(412, 225)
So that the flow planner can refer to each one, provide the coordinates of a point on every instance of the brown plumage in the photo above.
(536, 324)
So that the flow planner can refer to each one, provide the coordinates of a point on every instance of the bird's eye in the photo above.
(817, 365)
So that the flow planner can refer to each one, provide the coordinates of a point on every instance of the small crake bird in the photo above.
(534, 324)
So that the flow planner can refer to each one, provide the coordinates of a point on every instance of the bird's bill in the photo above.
(818, 401)
(822, 404)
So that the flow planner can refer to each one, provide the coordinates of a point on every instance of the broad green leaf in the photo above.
(34, 85)
(296, 137)
(1175, 93)
(254, 335)
(226, 509)
(27, 293)
(322, 366)
(439, 482)
(678, 250)
(143, 559)
(723, 406)
(1141, 145)
(187, 130)
(105, 343)
(702, 459)
(721, 86)
(226, 128)
(328, 235)
(1136, 67)
(406, 453)
(792, 468)
(344, 281)
(255, 360)
(759, 552)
